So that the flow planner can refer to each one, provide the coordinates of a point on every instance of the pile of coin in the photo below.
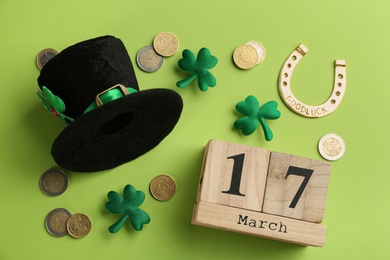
(162, 187)
(44, 56)
(249, 55)
(151, 58)
(60, 222)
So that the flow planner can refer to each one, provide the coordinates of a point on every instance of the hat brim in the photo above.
(118, 132)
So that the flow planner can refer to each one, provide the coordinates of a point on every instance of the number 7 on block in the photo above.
(296, 187)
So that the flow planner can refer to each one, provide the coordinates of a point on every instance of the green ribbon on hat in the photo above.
(109, 95)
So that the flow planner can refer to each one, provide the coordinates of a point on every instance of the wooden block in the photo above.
(253, 191)
(296, 187)
(258, 224)
(233, 175)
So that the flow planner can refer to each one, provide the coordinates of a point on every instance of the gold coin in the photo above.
(78, 225)
(331, 147)
(260, 50)
(54, 182)
(56, 222)
(166, 44)
(245, 56)
(44, 56)
(162, 187)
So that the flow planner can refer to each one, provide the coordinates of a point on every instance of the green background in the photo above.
(357, 205)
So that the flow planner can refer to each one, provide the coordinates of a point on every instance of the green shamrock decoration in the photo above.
(54, 104)
(253, 114)
(128, 206)
(199, 68)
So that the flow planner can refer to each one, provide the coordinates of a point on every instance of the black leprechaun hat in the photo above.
(92, 87)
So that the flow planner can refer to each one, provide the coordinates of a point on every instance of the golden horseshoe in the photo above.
(297, 106)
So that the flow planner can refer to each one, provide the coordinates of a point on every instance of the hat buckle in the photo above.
(124, 90)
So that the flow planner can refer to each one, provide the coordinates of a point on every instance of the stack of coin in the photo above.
(249, 55)
(151, 58)
(60, 222)
(44, 56)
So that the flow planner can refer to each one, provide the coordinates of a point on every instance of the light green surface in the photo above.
(357, 206)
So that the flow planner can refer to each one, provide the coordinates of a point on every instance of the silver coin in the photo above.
(44, 56)
(260, 50)
(54, 182)
(149, 60)
(331, 147)
(56, 222)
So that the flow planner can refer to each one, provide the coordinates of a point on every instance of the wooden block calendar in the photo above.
(254, 191)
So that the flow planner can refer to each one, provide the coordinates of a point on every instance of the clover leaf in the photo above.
(249, 123)
(53, 104)
(199, 68)
(128, 206)
(253, 114)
